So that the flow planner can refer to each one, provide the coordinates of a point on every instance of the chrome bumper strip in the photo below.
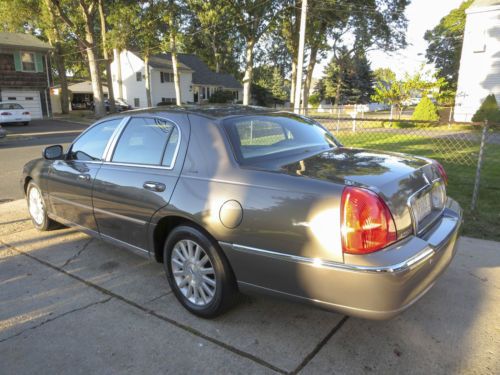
(406, 265)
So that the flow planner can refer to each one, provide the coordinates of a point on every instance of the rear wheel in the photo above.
(37, 208)
(198, 272)
(26, 123)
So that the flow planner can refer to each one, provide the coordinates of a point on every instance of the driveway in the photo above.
(72, 304)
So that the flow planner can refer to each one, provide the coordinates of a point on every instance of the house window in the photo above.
(7, 62)
(29, 98)
(137, 102)
(11, 98)
(203, 93)
(28, 61)
(208, 92)
(168, 100)
(166, 77)
(138, 76)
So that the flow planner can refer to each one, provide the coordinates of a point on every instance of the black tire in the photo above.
(26, 123)
(46, 223)
(225, 289)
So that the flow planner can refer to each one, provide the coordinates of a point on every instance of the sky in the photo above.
(422, 15)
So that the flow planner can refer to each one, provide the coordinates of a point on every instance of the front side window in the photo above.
(90, 146)
(256, 137)
(144, 141)
(28, 61)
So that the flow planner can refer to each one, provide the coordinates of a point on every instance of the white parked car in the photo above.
(11, 112)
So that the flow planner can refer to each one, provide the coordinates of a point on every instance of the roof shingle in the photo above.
(23, 40)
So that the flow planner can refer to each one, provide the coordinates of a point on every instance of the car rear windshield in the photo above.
(275, 135)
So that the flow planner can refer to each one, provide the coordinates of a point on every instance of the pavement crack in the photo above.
(56, 317)
(75, 256)
(160, 296)
(320, 345)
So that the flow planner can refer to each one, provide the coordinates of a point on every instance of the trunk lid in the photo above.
(403, 181)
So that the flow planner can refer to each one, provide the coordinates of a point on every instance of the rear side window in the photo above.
(145, 141)
(90, 146)
(275, 135)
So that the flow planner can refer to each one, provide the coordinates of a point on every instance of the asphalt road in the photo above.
(24, 143)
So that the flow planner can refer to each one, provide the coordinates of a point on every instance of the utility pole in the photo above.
(300, 58)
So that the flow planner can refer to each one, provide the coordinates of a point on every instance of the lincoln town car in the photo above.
(240, 198)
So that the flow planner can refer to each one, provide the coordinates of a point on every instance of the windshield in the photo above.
(275, 135)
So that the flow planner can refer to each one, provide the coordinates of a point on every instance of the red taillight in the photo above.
(367, 223)
(442, 172)
(26, 113)
(6, 114)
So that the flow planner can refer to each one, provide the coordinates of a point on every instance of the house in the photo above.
(24, 74)
(479, 73)
(197, 81)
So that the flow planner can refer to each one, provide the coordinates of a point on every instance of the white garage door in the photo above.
(29, 99)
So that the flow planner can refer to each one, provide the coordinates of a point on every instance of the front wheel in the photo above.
(37, 208)
(198, 272)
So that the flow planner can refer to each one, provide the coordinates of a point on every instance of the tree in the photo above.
(105, 53)
(347, 79)
(397, 93)
(270, 79)
(210, 26)
(488, 111)
(445, 44)
(253, 18)
(425, 111)
(79, 17)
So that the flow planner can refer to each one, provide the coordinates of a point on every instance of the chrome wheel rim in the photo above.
(35, 203)
(193, 272)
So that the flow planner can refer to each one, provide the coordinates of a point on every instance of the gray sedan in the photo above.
(252, 199)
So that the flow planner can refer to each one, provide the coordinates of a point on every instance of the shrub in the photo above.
(425, 111)
(221, 96)
(314, 100)
(488, 111)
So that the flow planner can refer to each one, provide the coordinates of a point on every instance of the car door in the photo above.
(70, 180)
(139, 176)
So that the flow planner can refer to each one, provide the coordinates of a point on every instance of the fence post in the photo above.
(475, 193)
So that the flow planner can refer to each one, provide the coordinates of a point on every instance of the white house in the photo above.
(197, 81)
(479, 73)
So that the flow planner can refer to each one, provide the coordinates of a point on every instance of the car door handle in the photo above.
(154, 186)
(84, 177)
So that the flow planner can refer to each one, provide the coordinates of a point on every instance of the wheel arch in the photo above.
(165, 225)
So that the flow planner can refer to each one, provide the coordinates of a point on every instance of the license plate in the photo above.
(422, 207)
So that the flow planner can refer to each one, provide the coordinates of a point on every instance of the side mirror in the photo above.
(53, 152)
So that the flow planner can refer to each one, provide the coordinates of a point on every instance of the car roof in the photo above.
(215, 112)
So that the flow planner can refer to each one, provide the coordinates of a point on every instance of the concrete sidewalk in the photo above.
(72, 304)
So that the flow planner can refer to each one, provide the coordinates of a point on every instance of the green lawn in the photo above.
(485, 221)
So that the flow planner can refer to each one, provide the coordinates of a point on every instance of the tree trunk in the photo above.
(148, 80)
(309, 73)
(55, 41)
(216, 55)
(337, 91)
(116, 54)
(109, 78)
(292, 83)
(247, 79)
(177, 84)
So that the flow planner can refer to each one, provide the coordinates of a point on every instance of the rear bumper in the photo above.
(374, 286)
